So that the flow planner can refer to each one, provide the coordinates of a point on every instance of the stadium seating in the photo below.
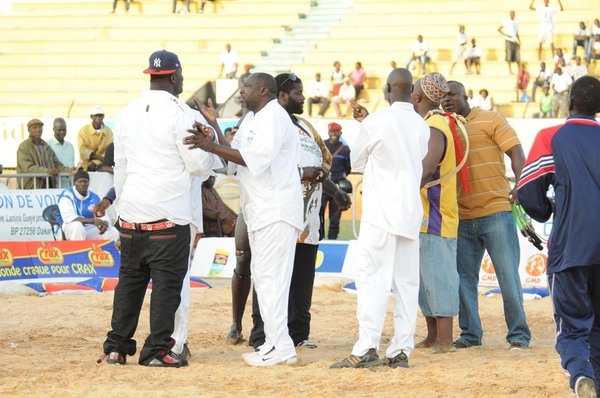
(59, 58)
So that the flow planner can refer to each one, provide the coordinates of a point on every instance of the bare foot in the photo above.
(427, 343)
(442, 349)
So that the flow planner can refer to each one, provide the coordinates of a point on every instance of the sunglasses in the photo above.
(291, 77)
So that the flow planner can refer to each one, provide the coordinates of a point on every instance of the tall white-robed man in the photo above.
(389, 150)
(265, 154)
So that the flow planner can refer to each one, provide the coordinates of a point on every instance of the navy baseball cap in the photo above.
(162, 62)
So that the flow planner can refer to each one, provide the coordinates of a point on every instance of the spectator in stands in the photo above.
(474, 58)
(337, 78)
(512, 41)
(471, 100)
(203, 4)
(547, 25)
(460, 54)
(218, 218)
(581, 38)
(76, 205)
(589, 52)
(109, 159)
(578, 70)
(63, 149)
(420, 54)
(340, 168)
(546, 101)
(542, 79)
(523, 78)
(561, 58)
(227, 133)
(346, 94)
(317, 92)
(246, 73)
(35, 156)
(185, 10)
(229, 62)
(358, 76)
(561, 83)
(93, 139)
(486, 102)
(114, 7)
(596, 47)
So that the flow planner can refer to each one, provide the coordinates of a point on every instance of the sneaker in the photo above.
(114, 358)
(585, 387)
(167, 359)
(185, 353)
(461, 344)
(399, 361)
(270, 358)
(308, 343)
(368, 360)
(515, 345)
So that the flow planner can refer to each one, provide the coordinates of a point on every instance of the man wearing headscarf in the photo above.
(438, 291)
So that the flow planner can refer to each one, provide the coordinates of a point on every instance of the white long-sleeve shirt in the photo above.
(389, 150)
(271, 189)
(153, 168)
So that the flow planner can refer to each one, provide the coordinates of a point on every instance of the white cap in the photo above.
(97, 110)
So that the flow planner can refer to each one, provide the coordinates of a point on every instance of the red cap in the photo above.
(334, 127)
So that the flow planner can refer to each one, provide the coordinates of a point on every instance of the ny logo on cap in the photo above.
(157, 62)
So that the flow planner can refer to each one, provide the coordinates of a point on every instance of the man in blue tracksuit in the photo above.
(568, 158)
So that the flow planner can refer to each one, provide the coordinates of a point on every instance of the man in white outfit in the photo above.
(265, 153)
(389, 150)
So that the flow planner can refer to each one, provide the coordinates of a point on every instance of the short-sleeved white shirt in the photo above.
(389, 150)
(270, 182)
(511, 28)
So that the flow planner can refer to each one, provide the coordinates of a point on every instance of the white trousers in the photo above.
(75, 230)
(182, 316)
(273, 248)
(385, 263)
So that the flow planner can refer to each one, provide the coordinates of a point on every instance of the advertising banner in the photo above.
(50, 261)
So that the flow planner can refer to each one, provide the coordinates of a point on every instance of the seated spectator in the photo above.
(420, 54)
(546, 103)
(589, 53)
(472, 101)
(109, 159)
(522, 83)
(486, 102)
(474, 58)
(34, 155)
(246, 73)
(578, 70)
(582, 37)
(76, 206)
(214, 210)
(358, 77)
(93, 139)
(542, 79)
(346, 94)
(561, 59)
(317, 92)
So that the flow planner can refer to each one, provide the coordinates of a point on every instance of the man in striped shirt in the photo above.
(485, 220)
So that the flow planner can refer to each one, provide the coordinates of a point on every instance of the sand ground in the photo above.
(49, 346)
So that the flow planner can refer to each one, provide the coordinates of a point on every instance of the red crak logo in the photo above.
(536, 264)
(6, 258)
(48, 254)
(100, 258)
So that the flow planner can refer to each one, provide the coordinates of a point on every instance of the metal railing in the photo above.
(13, 181)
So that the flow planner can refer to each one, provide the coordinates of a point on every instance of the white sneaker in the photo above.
(270, 358)
(585, 387)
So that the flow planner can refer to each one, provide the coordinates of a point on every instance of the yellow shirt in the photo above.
(440, 207)
(490, 136)
(90, 141)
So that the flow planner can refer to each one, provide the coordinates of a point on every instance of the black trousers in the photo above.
(160, 256)
(300, 299)
(334, 217)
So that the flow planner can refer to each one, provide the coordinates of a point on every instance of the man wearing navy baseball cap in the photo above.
(153, 184)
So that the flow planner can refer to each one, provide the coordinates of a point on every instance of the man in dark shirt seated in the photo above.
(215, 211)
